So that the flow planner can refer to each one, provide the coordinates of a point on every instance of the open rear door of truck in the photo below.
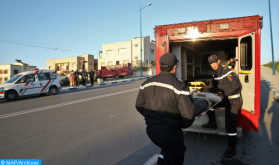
(162, 47)
(249, 78)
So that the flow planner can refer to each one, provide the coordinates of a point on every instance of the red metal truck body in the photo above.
(115, 71)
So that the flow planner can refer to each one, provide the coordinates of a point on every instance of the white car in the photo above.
(29, 83)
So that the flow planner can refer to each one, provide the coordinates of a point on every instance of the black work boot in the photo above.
(210, 124)
(212, 121)
(230, 152)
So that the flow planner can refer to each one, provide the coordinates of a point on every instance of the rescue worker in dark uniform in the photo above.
(230, 59)
(167, 106)
(227, 83)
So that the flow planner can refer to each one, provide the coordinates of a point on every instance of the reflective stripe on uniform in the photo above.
(165, 86)
(234, 96)
(232, 134)
(225, 75)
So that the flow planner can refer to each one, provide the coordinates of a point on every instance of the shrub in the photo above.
(65, 82)
(276, 63)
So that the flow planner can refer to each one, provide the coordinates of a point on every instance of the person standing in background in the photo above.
(83, 76)
(92, 74)
(72, 78)
(76, 75)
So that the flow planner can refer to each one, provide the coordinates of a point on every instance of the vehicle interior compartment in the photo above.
(194, 67)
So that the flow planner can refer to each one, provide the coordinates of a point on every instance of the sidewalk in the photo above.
(104, 83)
(272, 81)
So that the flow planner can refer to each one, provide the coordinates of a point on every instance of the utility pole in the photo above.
(271, 37)
(54, 58)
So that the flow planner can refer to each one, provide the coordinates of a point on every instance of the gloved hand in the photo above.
(193, 91)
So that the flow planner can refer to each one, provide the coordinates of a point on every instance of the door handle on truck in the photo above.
(245, 72)
(246, 78)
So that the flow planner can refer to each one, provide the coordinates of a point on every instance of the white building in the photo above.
(127, 52)
(9, 70)
(85, 61)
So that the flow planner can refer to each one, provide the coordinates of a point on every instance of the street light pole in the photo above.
(54, 58)
(273, 65)
(141, 39)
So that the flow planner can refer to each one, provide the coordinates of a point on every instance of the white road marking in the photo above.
(64, 104)
(72, 93)
(152, 160)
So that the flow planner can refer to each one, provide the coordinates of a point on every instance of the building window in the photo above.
(5, 79)
(136, 45)
(1, 71)
(15, 71)
(117, 62)
(109, 52)
(6, 71)
(152, 51)
(122, 51)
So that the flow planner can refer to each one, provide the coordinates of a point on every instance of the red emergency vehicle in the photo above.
(193, 42)
(117, 71)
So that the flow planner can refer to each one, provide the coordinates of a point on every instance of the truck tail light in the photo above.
(224, 26)
(248, 24)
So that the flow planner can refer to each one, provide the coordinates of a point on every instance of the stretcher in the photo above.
(204, 102)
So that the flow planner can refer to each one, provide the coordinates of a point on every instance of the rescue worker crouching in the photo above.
(167, 106)
(227, 83)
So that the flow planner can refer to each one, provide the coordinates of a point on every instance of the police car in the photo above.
(29, 83)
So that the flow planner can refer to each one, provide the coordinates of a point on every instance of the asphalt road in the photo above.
(100, 126)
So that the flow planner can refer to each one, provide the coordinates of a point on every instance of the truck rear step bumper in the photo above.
(220, 119)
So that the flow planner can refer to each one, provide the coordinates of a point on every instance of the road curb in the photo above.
(107, 83)
(271, 88)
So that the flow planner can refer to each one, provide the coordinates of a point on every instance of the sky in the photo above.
(30, 30)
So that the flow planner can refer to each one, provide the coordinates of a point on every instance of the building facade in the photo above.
(85, 61)
(9, 70)
(127, 52)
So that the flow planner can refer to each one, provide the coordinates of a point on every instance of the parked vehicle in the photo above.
(116, 71)
(31, 82)
(193, 42)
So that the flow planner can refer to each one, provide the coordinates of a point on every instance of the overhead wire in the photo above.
(19, 42)
(45, 44)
